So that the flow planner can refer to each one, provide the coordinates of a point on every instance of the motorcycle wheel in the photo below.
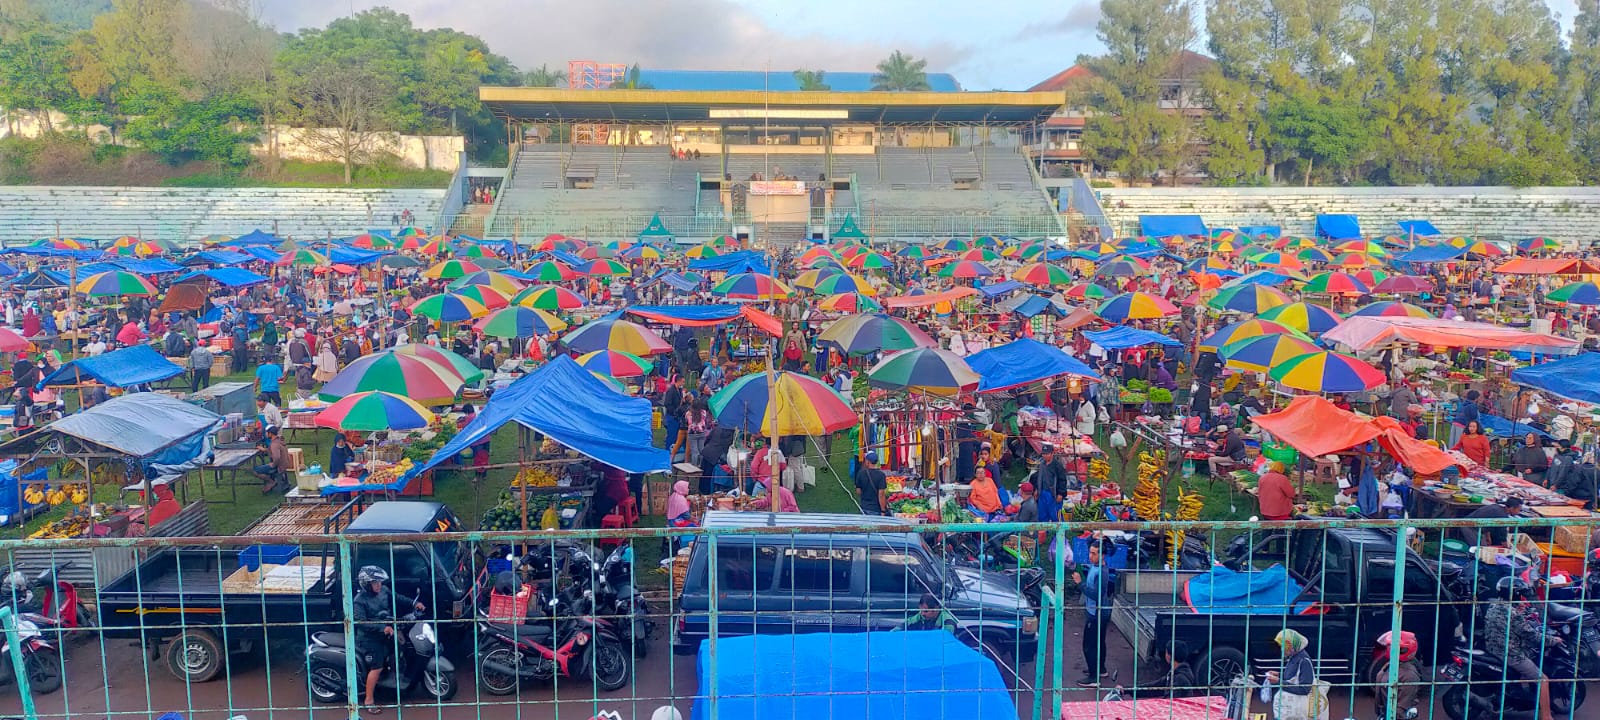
(44, 670)
(1567, 699)
(322, 679)
(495, 682)
(610, 666)
(1455, 703)
(439, 684)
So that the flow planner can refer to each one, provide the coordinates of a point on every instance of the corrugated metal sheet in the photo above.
(192, 520)
(101, 565)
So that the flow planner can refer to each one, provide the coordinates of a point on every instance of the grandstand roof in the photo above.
(773, 80)
(1186, 67)
(886, 108)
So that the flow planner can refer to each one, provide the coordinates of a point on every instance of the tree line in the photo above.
(1380, 92)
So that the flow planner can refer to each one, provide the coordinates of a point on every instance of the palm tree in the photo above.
(811, 80)
(544, 76)
(901, 73)
(631, 81)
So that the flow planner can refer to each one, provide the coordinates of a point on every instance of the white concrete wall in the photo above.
(1569, 214)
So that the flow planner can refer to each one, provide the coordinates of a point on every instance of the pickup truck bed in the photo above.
(195, 587)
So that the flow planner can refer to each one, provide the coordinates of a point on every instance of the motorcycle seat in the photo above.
(331, 639)
(1560, 613)
(541, 631)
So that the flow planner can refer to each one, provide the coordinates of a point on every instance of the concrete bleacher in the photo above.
(187, 214)
(625, 186)
(932, 191)
(1565, 213)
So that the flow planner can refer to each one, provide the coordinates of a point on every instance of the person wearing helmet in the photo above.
(1407, 678)
(19, 591)
(373, 612)
(1513, 635)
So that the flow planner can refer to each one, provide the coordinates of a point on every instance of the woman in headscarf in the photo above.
(1297, 696)
(678, 514)
(785, 498)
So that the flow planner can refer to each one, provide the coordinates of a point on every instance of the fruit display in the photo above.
(507, 513)
(77, 494)
(383, 474)
(1089, 512)
(1099, 470)
(1147, 493)
(536, 476)
(908, 503)
(67, 527)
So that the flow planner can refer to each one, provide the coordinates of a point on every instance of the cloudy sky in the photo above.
(1008, 46)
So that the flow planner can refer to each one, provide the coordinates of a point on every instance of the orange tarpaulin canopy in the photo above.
(1314, 426)
(1547, 266)
(901, 301)
(766, 322)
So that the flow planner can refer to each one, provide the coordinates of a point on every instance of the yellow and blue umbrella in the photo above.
(752, 286)
(1135, 306)
(1305, 317)
(872, 332)
(1250, 299)
(449, 307)
(1264, 352)
(372, 411)
(520, 322)
(1328, 372)
(843, 283)
(613, 334)
(1580, 293)
(925, 370)
(800, 404)
(1244, 330)
(551, 298)
(114, 283)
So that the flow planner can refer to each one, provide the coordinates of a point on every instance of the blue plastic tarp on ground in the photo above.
(572, 407)
(1576, 377)
(1123, 337)
(134, 365)
(1338, 227)
(227, 277)
(1263, 592)
(999, 288)
(1419, 228)
(1169, 225)
(737, 262)
(1272, 231)
(1023, 361)
(1431, 254)
(921, 675)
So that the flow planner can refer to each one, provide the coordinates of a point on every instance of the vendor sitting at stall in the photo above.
(764, 495)
(1530, 461)
(984, 497)
(1275, 494)
(1230, 451)
(340, 456)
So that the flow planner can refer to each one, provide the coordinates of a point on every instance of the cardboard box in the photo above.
(1572, 538)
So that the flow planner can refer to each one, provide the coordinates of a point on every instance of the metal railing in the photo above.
(908, 227)
(197, 629)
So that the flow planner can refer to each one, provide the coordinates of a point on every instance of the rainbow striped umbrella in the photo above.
(1123, 267)
(373, 411)
(1579, 293)
(519, 322)
(1264, 352)
(915, 252)
(1135, 306)
(1252, 299)
(986, 241)
(60, 243)
(451, 269)
(849, 303)
(616, 363)
(1391, 308)
(605, 267)
(979, 255)
(795, 404)
(1326, 371)
(594, 252)
(702, 252)
(1538, 244)
(1315, 254)
(613, 334)
(869, 261)
(1305, 317)
(1336, 283)
(872, 332)
(549, 297)
(368, 241)
(1352, 261)
(486, 296)
(1244, 330)
(1087, 291)
(955, 245)
(808, 280)
(816, 251)
(1042, 274)
(1032, 251)
(965, 269)
(818, 263)
(642, 252)
(497, 281)
(1477, 247)
(1403, 285)
(1290, 242)
(138, 249)
(449, 307)
(466, 369)
(423, 380)
(411, 231)
(1371, 276)
(620, 245)
(114, 283)
(477, 252)
(302, 257)
(1365, 247)
(924, 370)
(726, 241)
(1278, 259)
(843, 283)
(752, 286)
(551, 271)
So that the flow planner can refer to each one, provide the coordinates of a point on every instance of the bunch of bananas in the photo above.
(389, 473)
(534, 476)
(67, 527)
(1189, 505)
(78, 494)
(34, 494)
(1099, 470)
(1147, 494)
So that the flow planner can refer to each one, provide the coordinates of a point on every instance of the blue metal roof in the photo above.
(781, 80)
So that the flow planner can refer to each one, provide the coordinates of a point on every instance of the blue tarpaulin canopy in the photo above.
(1443, 252)
(227, 277)
(1123, 337)
(353, 256)
(134, 365)
(1575, 378)
(1504, 428)
(738, 262)
(1338, 227)
(912, 675)
(149, 266)
(689, 313)
(678, 282)
(572, 407)
(1033, 305)
(999, 288)
(254, 237)
(1272, 231)
(263, 253)
(217, 257)
(1023, 361)
(1169, 225)
(1419, 228)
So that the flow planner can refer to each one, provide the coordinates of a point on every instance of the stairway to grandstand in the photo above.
(187, 214)
(930, 192)
(592, 190)
(1564, 213)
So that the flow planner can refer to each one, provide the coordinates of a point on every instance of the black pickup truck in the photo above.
(199, 605)
(1347, 601)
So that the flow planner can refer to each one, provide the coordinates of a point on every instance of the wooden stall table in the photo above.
(231, 461)
(298, 423)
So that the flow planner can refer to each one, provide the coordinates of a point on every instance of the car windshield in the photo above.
(445, 552)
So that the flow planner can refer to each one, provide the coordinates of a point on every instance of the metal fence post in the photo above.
(347, 602)
(1047, 604)
(1401, 552)
(19, 667)
(711, 643)
(1059, 635)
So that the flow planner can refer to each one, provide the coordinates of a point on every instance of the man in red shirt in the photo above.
(1275, 494)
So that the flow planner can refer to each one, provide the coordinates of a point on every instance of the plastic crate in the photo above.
(1117, 560)
(512, 609)
(252, 558)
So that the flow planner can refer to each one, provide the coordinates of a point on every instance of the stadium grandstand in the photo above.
(727, 152)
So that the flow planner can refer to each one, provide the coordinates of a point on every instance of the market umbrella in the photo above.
(986, 241)
(476, 252)
(60, 243)
(1370, 276)
(1042, 274)
(642, 252)
(368, 241)
(869, 261)
(1335, 283)
(915, 252)
(114, 283)
(604, 267)
(981, 255)
(1403, 285)
(954, 245)
(1328, 372)
(1314, 254)
(519, 322)
(1391, 308)
(549, 297)
(138, 249)
(725, 241)
(816, 251)
(373, 411)
(1264, 352)
(488, 297)
(451, 269)
(1291, 242)
(423, 380)
(752, 286)
(849, 303)
(449, 307)
(965, 269)
(11, 341)
(1351, 261)
(1538, 244)
(1135, 306)
(400, 262)
(1244, 330)
(614, 334)
(1125, 267)
(466, 369)
(823, 262)
(411, 231)
(551, 271)
(843, 283)
(800, 404)
(498, 281)
(301, 257)
(616, 363)
(1252, 299)
(1365, 247)
(1278, 259)
(1579, 293)
(702, 252)
(1303, 316)
(1477, 247)
(1087, 291)
(872, 332)
(809, 279)
(926, 370)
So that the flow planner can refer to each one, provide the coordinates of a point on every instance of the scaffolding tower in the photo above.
(592, 75)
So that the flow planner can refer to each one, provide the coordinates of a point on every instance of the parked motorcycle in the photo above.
(48, 595)
(570, 642)
(41, 659)
(1480, 687)
(418, 663)
(616, 600)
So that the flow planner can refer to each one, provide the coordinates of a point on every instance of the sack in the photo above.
(1314, 706)
(1104, 416)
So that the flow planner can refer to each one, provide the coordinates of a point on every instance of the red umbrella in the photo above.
(1403, 285)
(12, 341)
